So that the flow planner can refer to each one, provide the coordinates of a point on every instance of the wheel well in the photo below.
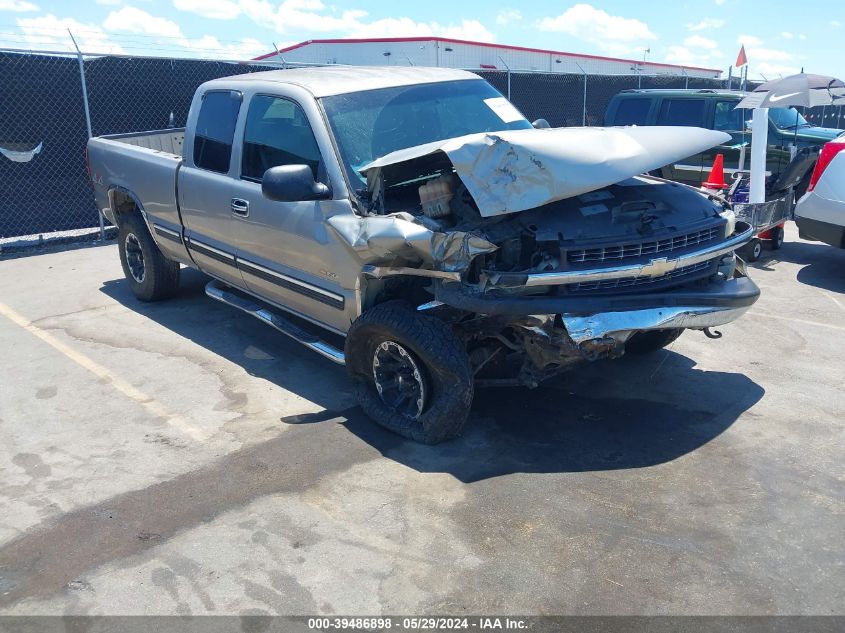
(122, 203)
(414, 290)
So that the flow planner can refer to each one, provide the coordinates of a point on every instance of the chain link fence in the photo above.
(43, 183)
(43, 132)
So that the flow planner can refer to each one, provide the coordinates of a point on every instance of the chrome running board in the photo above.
(241, 301)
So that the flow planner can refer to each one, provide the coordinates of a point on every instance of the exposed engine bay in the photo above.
(422, 219)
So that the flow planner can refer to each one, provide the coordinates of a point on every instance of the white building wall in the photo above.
(470, 56)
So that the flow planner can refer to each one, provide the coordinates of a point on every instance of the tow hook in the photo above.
(711, 333)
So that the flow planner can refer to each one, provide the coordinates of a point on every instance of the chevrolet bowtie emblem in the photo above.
(659, 267)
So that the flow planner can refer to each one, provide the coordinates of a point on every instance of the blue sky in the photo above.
(780, 37)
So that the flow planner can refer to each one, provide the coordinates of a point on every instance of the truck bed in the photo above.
(143, 163)
(168, 141)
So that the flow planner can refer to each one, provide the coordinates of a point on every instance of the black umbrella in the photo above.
(803, 89)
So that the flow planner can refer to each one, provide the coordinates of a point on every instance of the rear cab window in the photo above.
(682, 112)
(277, 133)
(215, 130)
(632, 112)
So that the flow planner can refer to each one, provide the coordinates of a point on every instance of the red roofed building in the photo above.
(452, 53)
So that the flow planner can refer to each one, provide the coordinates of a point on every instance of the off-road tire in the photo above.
(441, 357)
(650, 341)
(160, 278)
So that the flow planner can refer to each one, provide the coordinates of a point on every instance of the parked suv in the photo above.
(715, 110)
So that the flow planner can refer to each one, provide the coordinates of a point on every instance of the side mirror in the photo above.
(541, 124)
(292, 183)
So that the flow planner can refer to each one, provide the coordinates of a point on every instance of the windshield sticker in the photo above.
(593, 209)
(503, 109)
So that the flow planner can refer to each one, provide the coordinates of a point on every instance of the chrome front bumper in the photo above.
(620, 325)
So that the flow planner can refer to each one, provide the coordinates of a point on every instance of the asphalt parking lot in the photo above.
(183, 458)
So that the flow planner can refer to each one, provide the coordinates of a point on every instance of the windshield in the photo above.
(785, 118)
(370, 124)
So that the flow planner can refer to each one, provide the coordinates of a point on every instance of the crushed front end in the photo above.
(574, 278)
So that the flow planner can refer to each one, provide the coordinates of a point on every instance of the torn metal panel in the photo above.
(516, 170)
(390, 237)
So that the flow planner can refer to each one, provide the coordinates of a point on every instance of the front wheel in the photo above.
(150, 274)
(651, 341)
(411, 373)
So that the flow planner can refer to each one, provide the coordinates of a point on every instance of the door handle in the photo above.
(240, 207)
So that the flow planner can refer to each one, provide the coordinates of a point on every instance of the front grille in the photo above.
(639, 282)
(617, 252)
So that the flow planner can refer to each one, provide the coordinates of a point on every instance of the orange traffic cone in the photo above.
(716, 179)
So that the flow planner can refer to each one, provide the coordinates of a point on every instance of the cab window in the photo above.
(277, 133)
(215, 130)
(727, 117)
(681, 112)
(632, 112)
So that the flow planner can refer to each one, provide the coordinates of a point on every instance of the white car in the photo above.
(820, 213)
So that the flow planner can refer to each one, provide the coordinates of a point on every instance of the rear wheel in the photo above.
(150, 275)
(651, 341)
(776, 237)
(411, 373)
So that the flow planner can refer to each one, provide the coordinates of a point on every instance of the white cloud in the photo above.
(771, 71)
(51, 32)
(599, 27)
(507, 16)
(707, 23)
(109, 3)
(301, 16)
(210, 46)
(697, 41)
(17, 6)
(768, 54)
(614, 35)
(472, 30)
(835, 24)
(214, 9)
(787, 35)
(720, 2)
(749, 40)
(683, 56)
(398, 27)
(134, 20)
(801, 36)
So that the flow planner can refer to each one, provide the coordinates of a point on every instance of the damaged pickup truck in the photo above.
(411, 224)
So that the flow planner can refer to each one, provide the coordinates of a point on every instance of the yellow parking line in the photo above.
(124, 387)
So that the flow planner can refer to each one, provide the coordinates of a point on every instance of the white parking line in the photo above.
(153, 406)
(800, 321)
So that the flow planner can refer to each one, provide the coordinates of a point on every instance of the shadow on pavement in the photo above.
(824, 265)
(240, 338)
(566, 425)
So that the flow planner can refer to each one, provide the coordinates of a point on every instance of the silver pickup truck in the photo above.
(411, 224)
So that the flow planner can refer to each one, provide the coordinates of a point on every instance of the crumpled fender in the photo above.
(517, 170)
(386, 238)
